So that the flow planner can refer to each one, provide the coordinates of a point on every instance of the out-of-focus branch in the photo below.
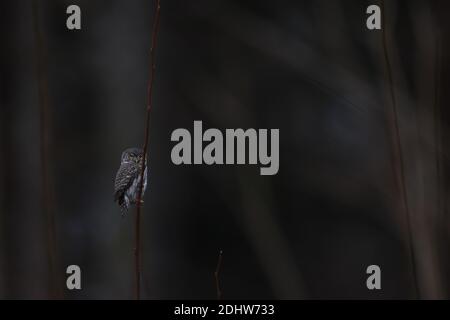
(48, 205)
(398, 153)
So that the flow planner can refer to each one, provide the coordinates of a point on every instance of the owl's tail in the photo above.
(123, 208)
(123, 203)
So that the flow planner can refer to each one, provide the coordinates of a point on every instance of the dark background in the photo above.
(310, 68)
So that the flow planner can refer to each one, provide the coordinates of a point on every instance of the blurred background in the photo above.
(363, 149)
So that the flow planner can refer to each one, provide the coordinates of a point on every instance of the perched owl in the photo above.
(128, 178)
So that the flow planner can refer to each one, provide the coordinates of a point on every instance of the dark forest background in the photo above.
(309, 68)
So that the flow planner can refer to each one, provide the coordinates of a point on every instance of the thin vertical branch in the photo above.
(399, 152)
(48, 206)
(137, 249)
(216, 275)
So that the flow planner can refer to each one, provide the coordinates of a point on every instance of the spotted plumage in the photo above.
(128, 179)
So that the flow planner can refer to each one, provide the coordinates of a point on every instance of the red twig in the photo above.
(137, 249)
(216, 275)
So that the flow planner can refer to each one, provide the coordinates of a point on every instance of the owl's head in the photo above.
(132, 155)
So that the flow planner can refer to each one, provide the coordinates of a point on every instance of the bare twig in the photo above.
(48, 206)
(216, 275)
(137, 248)
(399, 162)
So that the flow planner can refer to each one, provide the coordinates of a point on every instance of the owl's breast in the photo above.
(132, 191)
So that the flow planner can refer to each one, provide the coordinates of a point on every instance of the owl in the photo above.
(128, 179)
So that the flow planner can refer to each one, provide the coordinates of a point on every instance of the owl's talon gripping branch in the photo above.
(128, 179)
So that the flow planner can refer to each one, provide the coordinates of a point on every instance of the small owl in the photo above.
(128, 179)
